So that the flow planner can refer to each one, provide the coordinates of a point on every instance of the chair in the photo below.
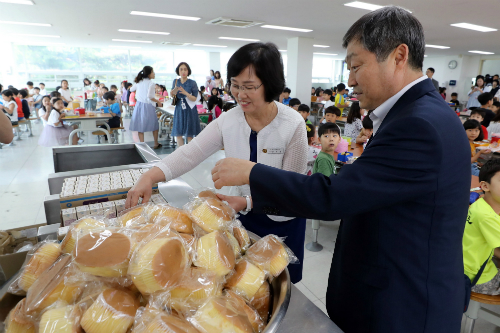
(475, 311)
(314, 98)
(113, 132)
(27, 122)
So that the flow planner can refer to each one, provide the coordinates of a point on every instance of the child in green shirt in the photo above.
(482, 232)
(329, 136)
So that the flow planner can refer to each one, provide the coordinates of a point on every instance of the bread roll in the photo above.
(252, 314)
(113, 311)
(220, 314)
(269, 255)
(214, 252)
(177, 219)
(212, 214)
(132, 216)
(169, 324)
(159, 264)
(234, 244)
(208, 194)
(68, 243)
(104, 253)
(17, 321)
(241, 235)
(246, 279)
(43, 258)
(261, 301)
(59, 320)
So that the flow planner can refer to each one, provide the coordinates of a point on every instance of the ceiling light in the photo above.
(330, 54)
(473, 27)
(145, 32)
(243, 39)
(285, 28)
(175, 17)
(19, 2)
(131, 41)
(125, 47)
(481, 52)
(425, 55)
(35, 35)
(282, 50)
(39, 43)
(363, 5)
(26, 23)
(323, 46)
(437, 46)
(206, 45)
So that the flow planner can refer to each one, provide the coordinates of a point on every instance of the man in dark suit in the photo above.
(397, 265)
(430, 73)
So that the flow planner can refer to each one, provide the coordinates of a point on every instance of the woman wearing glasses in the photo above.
(258, 129)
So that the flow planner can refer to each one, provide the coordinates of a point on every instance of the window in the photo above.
(161, 61)
(104, 60)
(46, 58)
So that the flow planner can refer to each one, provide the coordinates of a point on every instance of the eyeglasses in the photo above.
(247, 89)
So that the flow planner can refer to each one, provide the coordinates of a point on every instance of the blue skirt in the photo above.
(186, 121)
(294, 231)
(144, 118)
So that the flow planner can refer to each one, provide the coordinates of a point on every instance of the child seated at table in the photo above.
(9, 106)
(294, 104)
(331, 114)
(454, 99)
(329, 137)
(474, 133)
(478, 115)
(481, 238)
(367, 131)
(285, 96)
(313, 149)
(113, 107)
(56, 133)
(494, 127)
(305, 111)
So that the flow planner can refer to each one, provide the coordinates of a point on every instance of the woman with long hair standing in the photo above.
(144, 118)
(186, 121)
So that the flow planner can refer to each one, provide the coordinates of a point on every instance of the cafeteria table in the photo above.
(89, 123)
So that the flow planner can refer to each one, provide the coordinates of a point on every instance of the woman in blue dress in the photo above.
(186, 121)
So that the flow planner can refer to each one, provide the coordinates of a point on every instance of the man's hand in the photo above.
(236, 203)
(232, 172)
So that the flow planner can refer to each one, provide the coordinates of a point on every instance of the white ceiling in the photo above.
(93, 23)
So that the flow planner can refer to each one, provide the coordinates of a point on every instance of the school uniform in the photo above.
(144, 118)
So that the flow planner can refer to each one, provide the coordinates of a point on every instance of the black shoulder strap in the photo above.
(478, 275)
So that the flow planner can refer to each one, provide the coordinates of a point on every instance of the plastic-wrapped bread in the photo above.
(68, 243)
(165, 323)
(17, 321)
(145, 232)
(208, 194)
(211, 214)
(177, 219)
(270, 255)
(241, 235)
(194, 289)
(131, 216)
(103, 253)
(190, 242)
(261, 301)
(252, 314)
(43, 257)
(221, 314)
(159, 264)
(51, 287)
(214, 252)
(246, 279)
(63, 319)
(113, 311)
(234, 244)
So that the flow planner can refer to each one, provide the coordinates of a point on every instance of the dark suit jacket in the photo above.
(436, 84)
(397, 265)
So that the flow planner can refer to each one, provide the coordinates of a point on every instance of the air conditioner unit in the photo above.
(229, 22)
(175, 43)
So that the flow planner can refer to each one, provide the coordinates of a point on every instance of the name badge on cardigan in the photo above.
(273, 151)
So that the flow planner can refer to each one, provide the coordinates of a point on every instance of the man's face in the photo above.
(330, 117)
(429, 73)
(477, 117)
(304, 114)
(495, 77)
(372, 81)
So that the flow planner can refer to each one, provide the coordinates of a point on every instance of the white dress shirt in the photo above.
(144, 91)
(378, 115)
(282, 144)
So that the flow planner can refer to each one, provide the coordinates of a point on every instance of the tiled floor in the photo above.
(23, 186)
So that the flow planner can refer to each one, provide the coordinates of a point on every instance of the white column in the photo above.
(214, 61)
(299, 68)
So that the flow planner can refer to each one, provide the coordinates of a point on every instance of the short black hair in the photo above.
(367, 123)
(293, 102)
(23, 93)
(55, 94)
(105, 88)
(484, 98)
(497, 104)
(328, 92)
(340, 87)
(489, 169)
(14, 91)
(267, 63)
(36, 88)
(328, 128)
(113, 86)
(287, 90)
(179, 66)
(304, 107)
(384, 29)
(42, 83)
(109, 95)
(472, 124)
(454, 94)
(431, 69)
(333, 109)
(498, 82)
(29, 83)
(479, 112)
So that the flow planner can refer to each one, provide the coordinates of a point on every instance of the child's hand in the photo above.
(63, 115)
(364, 138)
(485, 152)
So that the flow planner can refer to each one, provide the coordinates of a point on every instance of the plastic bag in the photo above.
(252, 314)
(166, 215)
(165, 323)
(210, 214)
(241, 235)
(205, 193)
(143, 317)
(271, 255)
(86, 223)
(104, 253)
(221, 314)
(159, 263)
(246, 279)
(23, 247)
(214, 252)
(132, 215)
(261, 301)
(60, 318)
(113, 311)
(234, 243)
(18, 321)
(190, 242)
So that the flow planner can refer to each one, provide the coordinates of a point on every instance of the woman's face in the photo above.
(87, 82)
(64, 85)
(312, 90)
(211, 73)
(251, 99)
(480, 82)
(183, 71)
(46, 102)
(217, 75)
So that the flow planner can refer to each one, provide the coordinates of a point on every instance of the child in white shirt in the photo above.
(56, 133)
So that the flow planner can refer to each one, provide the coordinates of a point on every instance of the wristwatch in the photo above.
(249, 203)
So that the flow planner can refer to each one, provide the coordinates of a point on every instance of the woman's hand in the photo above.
(142, 189)
(236, 203)
(182, 90)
